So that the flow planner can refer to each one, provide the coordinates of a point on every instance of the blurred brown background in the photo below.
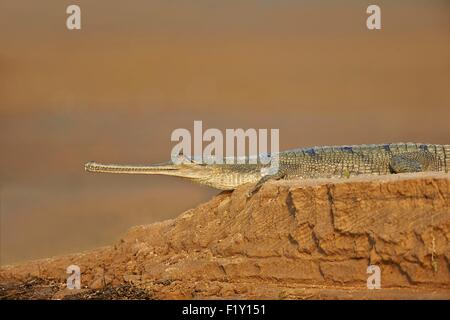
(115, 90)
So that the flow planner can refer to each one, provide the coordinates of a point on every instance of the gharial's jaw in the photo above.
(191, 170)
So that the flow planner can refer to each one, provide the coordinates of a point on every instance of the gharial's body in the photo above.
(317, 162)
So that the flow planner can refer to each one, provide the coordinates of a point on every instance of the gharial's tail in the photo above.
(446, 151)
(442, 152)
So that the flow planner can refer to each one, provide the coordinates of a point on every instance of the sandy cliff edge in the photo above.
(293, 239)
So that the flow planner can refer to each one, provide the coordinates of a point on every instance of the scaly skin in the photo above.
(317, 162)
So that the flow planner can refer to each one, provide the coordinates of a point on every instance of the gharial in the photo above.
(316, 162)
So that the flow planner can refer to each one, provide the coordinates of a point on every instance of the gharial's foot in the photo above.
(252, 191)
(264, 179)
(411, 162)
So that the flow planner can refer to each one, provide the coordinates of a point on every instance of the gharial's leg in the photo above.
(264, 179)
(410, 162)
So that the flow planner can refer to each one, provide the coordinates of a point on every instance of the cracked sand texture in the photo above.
(300, 239)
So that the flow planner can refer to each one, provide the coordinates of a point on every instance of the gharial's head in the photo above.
(220, 176)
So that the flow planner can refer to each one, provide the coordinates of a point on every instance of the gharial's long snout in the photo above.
(163, 168)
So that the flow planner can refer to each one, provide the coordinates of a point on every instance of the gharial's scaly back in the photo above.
(316, 162)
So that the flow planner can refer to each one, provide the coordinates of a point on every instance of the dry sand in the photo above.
(292, 240)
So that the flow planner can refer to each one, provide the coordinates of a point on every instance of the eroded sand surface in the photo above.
(292, 240)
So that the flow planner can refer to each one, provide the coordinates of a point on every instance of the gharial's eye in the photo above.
(180, 159)
(185, 159)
